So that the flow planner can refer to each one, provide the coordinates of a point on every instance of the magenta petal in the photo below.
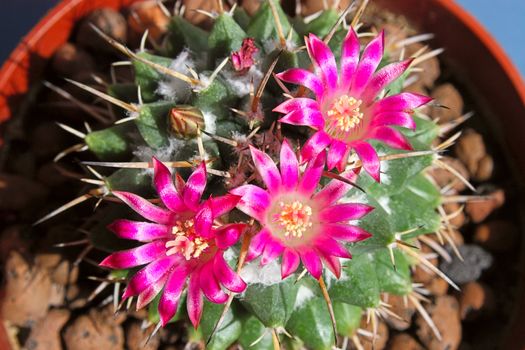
(312, 175)
(148, 275)
(347, 233)
(257, 244)
(335, 189)
(385, 76)
(311, 261)
(194, 302)
(138, 230)
(151, 292)
(204, 221)
(338, 151)
(333, 263)
(307, 117)
(228, 235)
(403, 102)
(226, 276)
(223, 204)
(296, 103)
(267, 169)
(369, 158)
(372, 55)
(290, 262)
(165, 187)
(303, 77)
(402, 119)
(390, 137)
(289, 166)
(136, 256)
(169, 301)
(272, 250)
(349, 58)
(210, 286)
(315, 145)
(324, 59)
(146, 209)
(195, 187)
(344, 212)
(254, 201)
(330, 246)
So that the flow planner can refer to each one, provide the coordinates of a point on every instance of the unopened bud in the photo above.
(184, 121)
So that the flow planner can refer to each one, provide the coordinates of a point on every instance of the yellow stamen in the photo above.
(186, 242)
(345, 113)
(294, 218)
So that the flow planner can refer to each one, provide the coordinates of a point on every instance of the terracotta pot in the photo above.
(471, 53)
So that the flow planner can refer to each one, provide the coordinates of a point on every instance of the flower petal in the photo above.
(311, 261)
(195, 187)
(165, 187)
(226, 276)
(296, 103)
(148, 275)
(138, 230)
(210, 286)
(402, 119)
(307, 117)
(347, 233)
(194, 302)
(335, 189)
(204, 221)
(228, 235)
(272, 250)
(289, 166)
(344, 212)
(390, 137)
(370, 59)
(169, 301)
(303, 77)
(267, 169)
(257, 244)
(254, 201)
(141, 255)
(145, 208)
(312, 175)
(369, 158)
(403, 102)
(290, 262)
(324, 59)
(349, 58)
(223, 204)
(315, 145)
(333, 263)
(385, 76)
(330, 246)
(151, 292)
(337, 153)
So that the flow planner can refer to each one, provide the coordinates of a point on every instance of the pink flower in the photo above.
(184, 242)
(298, 222)
(242, 60)
(346, 112)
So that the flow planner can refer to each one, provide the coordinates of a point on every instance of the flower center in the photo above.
(186, 241)
(294, 218)
(344, 115)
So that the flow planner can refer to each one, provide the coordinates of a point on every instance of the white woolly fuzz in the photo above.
(175, 89)
(241, 84)
(239, 138)
(210, 122)
(275, 44)
(304, 294)
(166, 153)
(255, 273)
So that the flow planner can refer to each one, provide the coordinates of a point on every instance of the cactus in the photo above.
(309, 194)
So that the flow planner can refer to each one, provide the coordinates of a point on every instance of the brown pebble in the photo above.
(446, 95)
(381, 338)
(445, 178)
(403, 341)
(474, 300)
(424, 275)
(70, 59)
(147, 15)
(430, 67)
(309, 7)
(437, 286)
(45, 334)
(108, 21)
(404, 310)
(94, 331)
(250, 6)
(470, 149)
(65, 273)
(27, 291)
(206, 5)
(480, 210)
(485, 168)
(445, 314)
(48, 260)
(496, 235)
(136, 338)
(459, 219)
